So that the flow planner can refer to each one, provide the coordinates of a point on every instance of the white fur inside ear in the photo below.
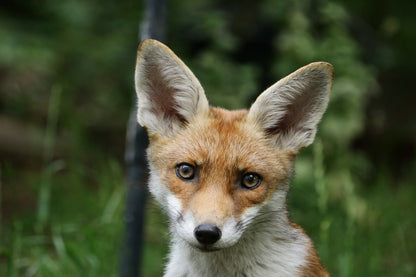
(291, 108)
(169, 94)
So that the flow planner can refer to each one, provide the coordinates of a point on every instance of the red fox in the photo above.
(222, 176)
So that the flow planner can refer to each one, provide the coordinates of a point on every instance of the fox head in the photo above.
(216, 171)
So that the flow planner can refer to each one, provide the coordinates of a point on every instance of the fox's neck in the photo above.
(271, 246)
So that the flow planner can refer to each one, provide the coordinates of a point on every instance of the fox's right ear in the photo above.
(169, 94)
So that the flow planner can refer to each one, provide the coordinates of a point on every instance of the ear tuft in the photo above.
(169, 94)
(290, 110)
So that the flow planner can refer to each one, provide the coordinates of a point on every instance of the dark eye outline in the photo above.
(185, 178)
(254, 175)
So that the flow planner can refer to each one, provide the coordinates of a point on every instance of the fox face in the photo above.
(217, 172)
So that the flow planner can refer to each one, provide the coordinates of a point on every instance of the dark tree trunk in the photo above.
(153, 26)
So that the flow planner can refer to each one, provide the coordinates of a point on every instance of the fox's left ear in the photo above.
(290, 110)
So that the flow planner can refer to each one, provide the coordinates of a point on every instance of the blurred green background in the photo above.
(66, 90)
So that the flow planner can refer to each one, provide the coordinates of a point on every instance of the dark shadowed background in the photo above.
(66, 91)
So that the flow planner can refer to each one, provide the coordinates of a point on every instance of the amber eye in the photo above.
(251, 180)
(185, 171)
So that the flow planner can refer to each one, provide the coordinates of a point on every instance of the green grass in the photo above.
(82, 234)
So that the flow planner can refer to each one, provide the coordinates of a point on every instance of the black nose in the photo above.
(207, 233)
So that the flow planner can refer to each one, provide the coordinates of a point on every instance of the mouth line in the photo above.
(207, 248)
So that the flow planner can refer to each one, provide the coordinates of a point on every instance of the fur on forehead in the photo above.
(222, 136)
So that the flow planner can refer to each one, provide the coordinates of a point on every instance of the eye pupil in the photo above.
(185, 171)
(251, 180)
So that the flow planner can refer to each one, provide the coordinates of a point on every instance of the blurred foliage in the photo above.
(66, 84)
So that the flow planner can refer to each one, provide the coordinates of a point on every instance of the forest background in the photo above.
(66, 91)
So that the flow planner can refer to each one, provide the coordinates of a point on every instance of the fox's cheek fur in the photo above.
(183, 224)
